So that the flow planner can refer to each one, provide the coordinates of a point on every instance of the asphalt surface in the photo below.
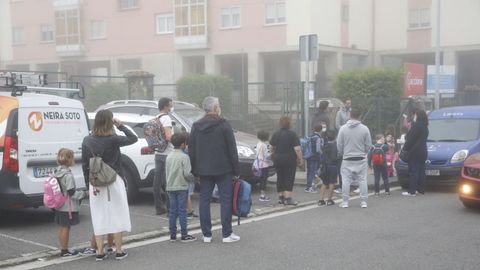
(433, 231)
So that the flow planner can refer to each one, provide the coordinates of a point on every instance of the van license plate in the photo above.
(432, 172)
(41, 172)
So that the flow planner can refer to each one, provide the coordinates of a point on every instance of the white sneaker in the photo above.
(207, 239)
(408, 194)
(357, 190)
(363, 204)
(343, 205)
(232, 238)
(338, 191)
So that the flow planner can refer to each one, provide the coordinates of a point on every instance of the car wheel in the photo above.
(130, 185)
(403, 181)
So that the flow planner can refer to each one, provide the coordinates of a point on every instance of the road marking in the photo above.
(55, 261)
(27, 241)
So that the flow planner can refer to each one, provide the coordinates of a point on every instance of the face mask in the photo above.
(415, 118)
(171, 109)
(219, 111)
(324, 129)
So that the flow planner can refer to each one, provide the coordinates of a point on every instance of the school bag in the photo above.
(309, 146)
(154, 134)
(53, 195)
(242, 198)
(100, 173)
(378, 156)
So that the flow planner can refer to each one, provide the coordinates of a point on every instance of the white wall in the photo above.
(5, 33)
(391, 23)
(360, 24)
(321, 17)
(460, 20)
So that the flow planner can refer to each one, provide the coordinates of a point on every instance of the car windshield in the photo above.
(453, 130)
(190, 115)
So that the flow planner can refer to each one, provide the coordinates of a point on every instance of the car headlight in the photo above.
(459, 156)
(472, 172)
(466, 189)
(245, 151)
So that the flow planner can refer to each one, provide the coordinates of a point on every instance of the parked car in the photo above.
(469, 183)
(136, 113)
(454, 135)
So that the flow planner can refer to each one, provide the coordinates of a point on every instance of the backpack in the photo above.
(53, 195)
(155, 134)
(242, 198)
(378, 156)
(309, 146)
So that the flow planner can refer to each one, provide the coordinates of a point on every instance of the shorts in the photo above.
(62, 219)
(191, 188)
(331, 175)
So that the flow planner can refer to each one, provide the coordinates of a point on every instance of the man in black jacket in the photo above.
(214, 158)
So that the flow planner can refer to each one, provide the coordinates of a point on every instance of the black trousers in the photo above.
(286, 169)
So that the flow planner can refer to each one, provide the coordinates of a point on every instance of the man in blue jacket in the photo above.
(214, 158)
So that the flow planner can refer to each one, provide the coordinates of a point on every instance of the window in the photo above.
(46, 33)
(164, 24)
(18, 36)
(230, 17)
(275, 12)
(125, 65)
(97, 30)
(419, 18)
(67, 26)
(190, 17)
(127, 4)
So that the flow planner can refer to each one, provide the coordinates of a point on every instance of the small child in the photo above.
(264, 158)
(65, 159)
(377, 159)
(313, 162)
(178, 171)
(391, 154)
(191, 186)
(330, 173)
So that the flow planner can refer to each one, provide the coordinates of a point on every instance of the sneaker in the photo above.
(330, 202)
(338, 191)
(232, 238)
(408, 194)
(192, 215)
(321, 202)
(173, 238)
(343, 205)
(88, 252)
(68, 253)
(290, 201)
(280, 199)
(309, 190)
(109, 250)
(121, 256)
(264, 198)
(207, 239)
(363, 204)
(357, 190)
(188, 238)
(387, 193)
(377, 194)
(101, 257)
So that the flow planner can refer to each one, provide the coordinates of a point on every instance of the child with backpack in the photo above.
(329, 173)
(67, 214)
(178, 171)
(313, 154)
(378, 161)
(264, 162)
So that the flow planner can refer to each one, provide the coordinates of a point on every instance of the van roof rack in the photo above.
(19, 82)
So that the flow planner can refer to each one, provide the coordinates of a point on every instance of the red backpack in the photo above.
(378, 156)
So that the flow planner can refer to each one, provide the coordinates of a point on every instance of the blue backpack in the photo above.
(242, 198)
(309, 145)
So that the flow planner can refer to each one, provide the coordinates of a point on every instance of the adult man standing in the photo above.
(343, 114)
(353, 143)
(214, 158)
(165, 105)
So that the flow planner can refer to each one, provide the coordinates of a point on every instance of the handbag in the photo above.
(404, 155)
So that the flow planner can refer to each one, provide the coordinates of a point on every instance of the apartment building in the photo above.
(248, 40)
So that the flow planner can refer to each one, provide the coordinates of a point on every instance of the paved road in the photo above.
(426, 232)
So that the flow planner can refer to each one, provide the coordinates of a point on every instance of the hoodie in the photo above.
(212, 147)
(67, 183)
(354, 140)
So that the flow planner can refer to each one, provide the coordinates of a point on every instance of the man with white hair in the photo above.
(214, 158)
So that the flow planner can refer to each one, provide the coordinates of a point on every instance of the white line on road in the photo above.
(26, 241)
(55, 261)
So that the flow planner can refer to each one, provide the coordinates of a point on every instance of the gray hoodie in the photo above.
(65, 177)
(354, 139)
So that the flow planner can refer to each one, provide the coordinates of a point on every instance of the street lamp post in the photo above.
(437, 59)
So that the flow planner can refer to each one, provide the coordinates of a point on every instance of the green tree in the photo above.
(376, 91)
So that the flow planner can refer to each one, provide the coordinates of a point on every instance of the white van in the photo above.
(33, 127)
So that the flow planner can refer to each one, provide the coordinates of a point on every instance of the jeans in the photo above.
(225, 190)
(263, 179)
(178, 208)
(354, 170)
(159, 183)
(416, 169)
(381, 171)
(312, 169)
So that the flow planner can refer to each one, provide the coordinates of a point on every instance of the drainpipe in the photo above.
(373, 34)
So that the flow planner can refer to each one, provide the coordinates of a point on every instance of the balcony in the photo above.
(191, 42)
(63, 4)
(70, 50)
